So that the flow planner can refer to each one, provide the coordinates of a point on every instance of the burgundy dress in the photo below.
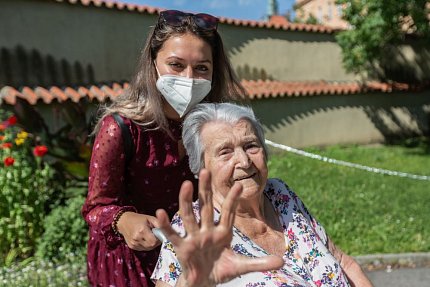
(151, 181)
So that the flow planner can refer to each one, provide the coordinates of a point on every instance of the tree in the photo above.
(377, 25)
(312, 20)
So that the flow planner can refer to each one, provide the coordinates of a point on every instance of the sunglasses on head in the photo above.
(176, 18)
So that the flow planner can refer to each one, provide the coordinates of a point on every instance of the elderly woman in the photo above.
(258, 220)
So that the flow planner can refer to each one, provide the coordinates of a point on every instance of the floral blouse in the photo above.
(308, 261)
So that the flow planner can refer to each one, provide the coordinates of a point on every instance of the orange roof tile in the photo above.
(29, 95)
(58, 94)
(273, 89)
(229, 21)
(278, 19)
(256, 90)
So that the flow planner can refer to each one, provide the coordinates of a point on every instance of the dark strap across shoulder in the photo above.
(126, 138)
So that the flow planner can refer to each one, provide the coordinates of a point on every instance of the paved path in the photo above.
(409, 277)
(397, 270)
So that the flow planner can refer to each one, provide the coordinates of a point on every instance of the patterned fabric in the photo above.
(151, 181)
(308, 262)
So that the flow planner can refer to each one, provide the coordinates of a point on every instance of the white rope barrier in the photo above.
(348, 164)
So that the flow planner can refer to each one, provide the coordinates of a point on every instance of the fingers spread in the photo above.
(205, 200)
(165, 227)
(186, 208)
(229, 205)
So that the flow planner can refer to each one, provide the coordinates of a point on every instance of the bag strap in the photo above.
(126, 138)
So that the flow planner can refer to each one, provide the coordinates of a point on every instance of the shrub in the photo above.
(65, 232)
(26, 185)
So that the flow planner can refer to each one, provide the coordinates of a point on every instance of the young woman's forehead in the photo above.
(186, 46)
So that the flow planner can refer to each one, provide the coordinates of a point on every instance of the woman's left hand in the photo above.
(204, 253)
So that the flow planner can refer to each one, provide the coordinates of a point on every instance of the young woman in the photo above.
(182, 63)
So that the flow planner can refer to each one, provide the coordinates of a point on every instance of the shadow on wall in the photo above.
(239, 45)
(239, 37)
(392, 115)
(417, 115)
(406, 62)
(245, 72)
(19, 67)
(409, 63)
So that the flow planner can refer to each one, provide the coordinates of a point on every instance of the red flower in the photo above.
(2, 127)
(9, 161)
(6, 145)
(12, 120)
(40, 150)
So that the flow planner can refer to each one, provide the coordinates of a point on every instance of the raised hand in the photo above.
(204, 253)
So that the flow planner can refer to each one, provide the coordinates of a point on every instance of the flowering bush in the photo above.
(8, 161)
(68, 139)
(26, 184)
(40, 150)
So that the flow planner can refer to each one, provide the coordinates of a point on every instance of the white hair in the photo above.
(205, 113)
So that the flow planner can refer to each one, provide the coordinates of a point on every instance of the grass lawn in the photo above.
(364, 212)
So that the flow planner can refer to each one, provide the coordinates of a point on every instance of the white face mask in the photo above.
(183, 93)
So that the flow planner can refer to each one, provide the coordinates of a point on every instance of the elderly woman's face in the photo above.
(233, 153)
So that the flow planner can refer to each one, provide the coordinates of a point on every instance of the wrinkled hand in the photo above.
(136, 229)
(204, 253)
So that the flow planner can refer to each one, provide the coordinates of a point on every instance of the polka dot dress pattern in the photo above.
(151, 181)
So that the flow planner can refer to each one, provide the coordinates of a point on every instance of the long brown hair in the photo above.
(142, 102)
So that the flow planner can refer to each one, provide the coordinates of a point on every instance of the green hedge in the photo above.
(65, 232)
